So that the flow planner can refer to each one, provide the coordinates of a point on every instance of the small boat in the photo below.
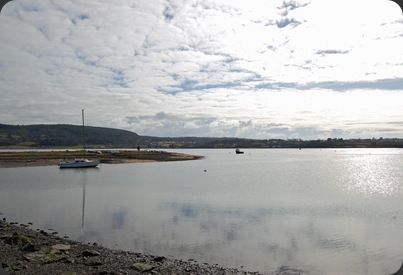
(78, 163)
(238, 151)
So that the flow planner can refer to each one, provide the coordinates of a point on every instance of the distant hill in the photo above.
(63, 135)
(71, 136)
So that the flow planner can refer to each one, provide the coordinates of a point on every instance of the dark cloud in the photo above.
(381, 84)
(286, 21)
(325, 52)
(80, 17)
(168, 13)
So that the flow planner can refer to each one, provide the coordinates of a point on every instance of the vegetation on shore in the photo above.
(70, 136)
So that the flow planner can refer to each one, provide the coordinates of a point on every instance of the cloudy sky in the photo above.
(224, 68)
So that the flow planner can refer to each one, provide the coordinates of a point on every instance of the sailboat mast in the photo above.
(82, 111)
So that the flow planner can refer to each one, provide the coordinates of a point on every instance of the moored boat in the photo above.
(82, 162)
(238, 151)
(78, 163)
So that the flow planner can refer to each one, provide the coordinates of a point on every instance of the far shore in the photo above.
(42, 158)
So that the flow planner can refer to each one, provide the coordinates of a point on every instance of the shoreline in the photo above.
(43, 158)
(27, 251)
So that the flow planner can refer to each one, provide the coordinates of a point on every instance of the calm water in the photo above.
(310, 211)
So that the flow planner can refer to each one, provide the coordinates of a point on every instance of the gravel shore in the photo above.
(27, 251)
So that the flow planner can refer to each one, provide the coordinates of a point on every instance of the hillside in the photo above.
(70, 136)
(64, 136)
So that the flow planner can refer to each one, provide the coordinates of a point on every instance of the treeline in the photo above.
(319, 143)
(65, 136)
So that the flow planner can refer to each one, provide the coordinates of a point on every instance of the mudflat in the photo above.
(40, 158)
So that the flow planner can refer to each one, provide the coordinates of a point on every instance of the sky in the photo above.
(170, 68)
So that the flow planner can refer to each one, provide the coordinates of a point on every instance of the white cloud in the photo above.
(258, 69)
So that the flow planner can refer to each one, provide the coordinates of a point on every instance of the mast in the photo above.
(82, 111)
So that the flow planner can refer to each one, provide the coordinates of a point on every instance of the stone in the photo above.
(96, 263)
(143, 267)
(70, 260)
(31, 248)
(34, 256)
(48, 254)
(91, 253)
(17, 239)
(159, 259)
(61, 247)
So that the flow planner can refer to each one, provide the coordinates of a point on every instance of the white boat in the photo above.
(79, 163)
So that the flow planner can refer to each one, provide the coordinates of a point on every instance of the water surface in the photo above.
(311, 211)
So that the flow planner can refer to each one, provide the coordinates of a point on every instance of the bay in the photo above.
(313, 211)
